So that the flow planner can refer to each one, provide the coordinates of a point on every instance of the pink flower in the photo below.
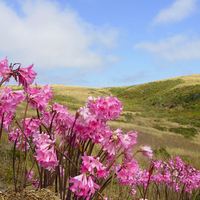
(133, 192)
(128, 173)
(4, 68)
(29, 175)
(83, 186)
(94, 166)
(146, 151)
(105, 109)
(3, 65)
(9, 100)
(39, 96)
(35, 183)
(25, 76)
(47, 158)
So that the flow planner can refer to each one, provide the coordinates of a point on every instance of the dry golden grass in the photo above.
(188, 80)
(80, 93)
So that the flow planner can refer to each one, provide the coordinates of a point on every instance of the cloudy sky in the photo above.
(100, 43)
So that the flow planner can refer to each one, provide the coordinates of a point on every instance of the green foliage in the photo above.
(72, 103)
(160, 128)
(116, 91)
(185, 97)
(186, 132)
(155, 99)
(128, 117)
(144, 91)
(17, 153)
(195, 122)
(197, 197)
(161, 151)
(162, 99)
(181, 120)
(142, 96)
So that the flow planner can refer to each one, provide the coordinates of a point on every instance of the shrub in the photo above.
(195, 122)
(181, 120)
(160, 128)
(186, 132)
(161, 151)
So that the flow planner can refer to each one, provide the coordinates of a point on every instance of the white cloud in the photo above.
(176, 48)
(178, 11)
(53, 37)
(112, 58)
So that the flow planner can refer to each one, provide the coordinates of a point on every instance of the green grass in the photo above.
(160, 128)
(161, 152)
(163, 99)
(71, 102)
(186, 132)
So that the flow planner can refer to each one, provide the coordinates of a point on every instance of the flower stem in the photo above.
(21, 168)
(113, 170)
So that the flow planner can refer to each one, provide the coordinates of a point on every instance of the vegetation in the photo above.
(187, 132)
(157, 110)
(161, 128)
(165, 113)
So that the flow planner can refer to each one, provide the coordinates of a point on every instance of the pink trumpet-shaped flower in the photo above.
(47, 158)
(83, 185)
(4, 69)
(25, 76)
(146, 151)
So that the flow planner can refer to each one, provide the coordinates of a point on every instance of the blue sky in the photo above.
(102, 43)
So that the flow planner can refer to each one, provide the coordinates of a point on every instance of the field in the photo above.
(165, 113)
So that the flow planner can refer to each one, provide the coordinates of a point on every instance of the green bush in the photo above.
(195, 122)
(128, 117)
(181, 120)
(186, 132)
(160, 128)
(161, 151)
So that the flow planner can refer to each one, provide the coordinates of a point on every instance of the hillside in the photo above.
(175, 97)
(166, 113)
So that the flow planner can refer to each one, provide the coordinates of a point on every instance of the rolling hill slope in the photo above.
(166, 113)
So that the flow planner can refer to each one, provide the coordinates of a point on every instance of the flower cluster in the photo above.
(93, 166)
(105, 109)
(176, 175)
(63, 144)
(128, 173)
(9, 100)
(47, 158)
(39, 97)
(84, 184)
(24, 76)
(4, 68)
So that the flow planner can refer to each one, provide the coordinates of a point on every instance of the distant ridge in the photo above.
(188, 79)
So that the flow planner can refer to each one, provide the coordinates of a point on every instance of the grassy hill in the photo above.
(166, 113)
